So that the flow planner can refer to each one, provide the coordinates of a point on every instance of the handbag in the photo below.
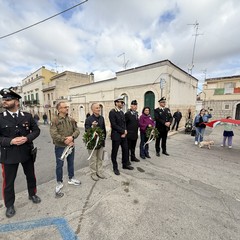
(193, 132)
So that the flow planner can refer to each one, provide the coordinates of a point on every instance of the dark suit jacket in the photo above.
(10, 128)
(101, 124)
(132, 123)
(118, 124)
(161, 117)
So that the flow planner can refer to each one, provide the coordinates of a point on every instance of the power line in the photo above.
(10, 34)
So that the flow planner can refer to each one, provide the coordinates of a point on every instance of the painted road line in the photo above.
(60, 223)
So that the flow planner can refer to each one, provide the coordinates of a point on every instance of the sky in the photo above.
(107, 36)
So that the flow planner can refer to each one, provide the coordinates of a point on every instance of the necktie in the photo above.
(15, 116)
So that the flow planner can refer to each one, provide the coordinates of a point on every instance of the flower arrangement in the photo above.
(152, 132)
(90, 137)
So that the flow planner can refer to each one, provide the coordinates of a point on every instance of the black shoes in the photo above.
(128, 167)
(135, 160)
(165, 153)
(116, 171)
(147, 156)
(10, 212)
(143, 157)
(158, 154)
(35, 199)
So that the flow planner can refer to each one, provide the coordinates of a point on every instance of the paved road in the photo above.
(179, 145)
(194, 194)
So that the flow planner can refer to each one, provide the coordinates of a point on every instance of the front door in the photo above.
(149, 101)
(237, 116)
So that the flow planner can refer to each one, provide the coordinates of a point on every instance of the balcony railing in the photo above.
(31, 102)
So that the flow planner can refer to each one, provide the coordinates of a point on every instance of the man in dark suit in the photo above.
(119, 136)
(163, 118)
(131, 117)
(17, 131)
(177, 118)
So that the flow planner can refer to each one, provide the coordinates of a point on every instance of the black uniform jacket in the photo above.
(118, 124)
(162, 116)
(10, 128)
(132, 123)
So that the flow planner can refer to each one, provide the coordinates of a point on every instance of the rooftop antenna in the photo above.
(196, 25)
(57, 66)
(205, 73)
(124, 60)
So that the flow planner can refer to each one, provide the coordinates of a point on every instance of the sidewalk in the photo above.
(173, 197)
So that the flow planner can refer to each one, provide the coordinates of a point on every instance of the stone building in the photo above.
(146, 84)
(222, 95)
(57, 89)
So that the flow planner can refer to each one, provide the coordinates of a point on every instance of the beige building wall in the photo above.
(180, 90)
(222, 95)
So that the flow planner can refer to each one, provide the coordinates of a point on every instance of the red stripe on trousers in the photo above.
(4, 181)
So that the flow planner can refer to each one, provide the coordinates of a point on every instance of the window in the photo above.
(36, 96)
(52, 96)
(101, 111)
(226, 106)
(230, 85)
(48, 96)
(32, 97)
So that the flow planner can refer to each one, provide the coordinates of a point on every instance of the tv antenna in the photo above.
(124, 60)
(196, 25)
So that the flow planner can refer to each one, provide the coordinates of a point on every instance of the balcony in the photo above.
(31, 102)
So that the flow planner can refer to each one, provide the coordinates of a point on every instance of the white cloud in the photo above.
(90, 37)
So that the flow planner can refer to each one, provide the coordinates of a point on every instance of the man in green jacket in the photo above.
(63, 131)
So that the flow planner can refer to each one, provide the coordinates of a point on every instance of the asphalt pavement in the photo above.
(192, 194)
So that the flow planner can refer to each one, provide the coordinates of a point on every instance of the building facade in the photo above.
(222, 95)
(31, 90)
(146, 84)
(57, 89)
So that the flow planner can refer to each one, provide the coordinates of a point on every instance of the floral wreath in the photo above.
(152, 132)
(90, 136)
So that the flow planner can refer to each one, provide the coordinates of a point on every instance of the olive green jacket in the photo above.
(62, 127)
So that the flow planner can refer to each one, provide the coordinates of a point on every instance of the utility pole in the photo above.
(196, 25)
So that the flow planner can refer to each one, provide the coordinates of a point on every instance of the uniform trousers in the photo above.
(131, 147)
(9, 173)
(124, 147)
(95, 162)
(162, 136)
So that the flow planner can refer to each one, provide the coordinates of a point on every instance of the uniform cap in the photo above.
(134, 102)
(8, 93)
(119, 99)
(163, 99)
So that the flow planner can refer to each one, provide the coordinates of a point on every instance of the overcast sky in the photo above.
(90, 37)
